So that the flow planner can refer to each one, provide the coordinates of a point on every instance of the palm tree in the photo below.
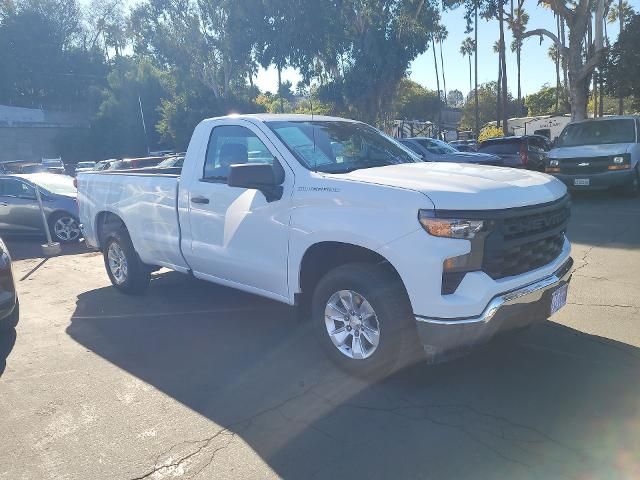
(518, 20)
(442, 36)
(497, 49)
(466, 49)
(435, 62)
(503, 66)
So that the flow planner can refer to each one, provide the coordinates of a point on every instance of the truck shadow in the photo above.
(549, 402)
(23, 248)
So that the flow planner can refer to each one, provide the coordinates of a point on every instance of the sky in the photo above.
(536, 67)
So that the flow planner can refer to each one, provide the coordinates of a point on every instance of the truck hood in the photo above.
(455, 186)
(585, 151)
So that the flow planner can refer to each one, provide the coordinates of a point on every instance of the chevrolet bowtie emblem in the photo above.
(584, 164)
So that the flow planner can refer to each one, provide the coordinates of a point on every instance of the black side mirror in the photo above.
(258, 176)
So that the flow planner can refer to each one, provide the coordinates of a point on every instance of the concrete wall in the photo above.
(30, 134)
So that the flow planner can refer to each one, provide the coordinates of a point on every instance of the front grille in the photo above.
(524, 258)
(524, 239)
(584, 166)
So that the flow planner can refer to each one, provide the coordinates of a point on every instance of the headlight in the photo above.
(618, 160)
(449, 227)
(554, 163)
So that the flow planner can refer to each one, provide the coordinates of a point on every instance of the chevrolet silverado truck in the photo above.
(387, 251)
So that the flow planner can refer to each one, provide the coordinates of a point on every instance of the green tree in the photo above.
(543, 102)
(623, 74)
(414, 102)
(487, 94)
(467, 49)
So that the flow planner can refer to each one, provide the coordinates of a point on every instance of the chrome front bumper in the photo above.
(443, 338)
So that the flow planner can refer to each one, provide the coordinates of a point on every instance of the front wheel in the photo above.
(362, 319)
(126, 272)
(632, 189)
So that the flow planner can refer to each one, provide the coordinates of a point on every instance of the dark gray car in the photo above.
(19, 211)
(432, 150)
(525, 151)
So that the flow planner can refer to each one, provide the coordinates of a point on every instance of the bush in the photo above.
(489, 131)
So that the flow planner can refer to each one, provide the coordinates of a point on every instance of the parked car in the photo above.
(103, 164)
(464, 145)
(172, 162)
(524, 151)
(9, 308)
(53, 165)
(84, 167)
(131, 163)
(387, 250)
(20, 213)
(432, 150)
(599, 154)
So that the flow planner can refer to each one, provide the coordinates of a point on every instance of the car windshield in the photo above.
(338, 146)
(437, 147)
(59, 184)
(86, 164)
(598, 132)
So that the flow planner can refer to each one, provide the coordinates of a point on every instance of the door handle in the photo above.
(200, 200)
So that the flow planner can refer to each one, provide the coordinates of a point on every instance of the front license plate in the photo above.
(559, 298)
(582, 182)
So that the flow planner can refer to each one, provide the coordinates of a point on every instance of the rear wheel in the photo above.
(362, 319)
(126, 272)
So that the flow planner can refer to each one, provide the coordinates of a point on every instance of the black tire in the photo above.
(386, 295)
(136, 279)
(73, 234)
(632, 189)
(12, 320)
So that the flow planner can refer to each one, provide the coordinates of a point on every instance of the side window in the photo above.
(412, 147)
(233, 145)
(10, 187)
(638, 130)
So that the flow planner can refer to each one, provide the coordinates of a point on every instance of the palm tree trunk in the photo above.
(595, 94)
(558, 21)
(444, 79)
(498, 91)
(503, 64)
(470, 82)
(279, 89)
(435, 62)
(620, 96)
(565, 70)
(475, 59)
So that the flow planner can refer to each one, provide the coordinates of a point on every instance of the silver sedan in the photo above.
(19, 211)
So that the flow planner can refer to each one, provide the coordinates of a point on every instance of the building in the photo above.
(31, 134)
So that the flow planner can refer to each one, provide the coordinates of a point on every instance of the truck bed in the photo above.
(146, 198)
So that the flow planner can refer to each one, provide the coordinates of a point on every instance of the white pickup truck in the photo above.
(330, 213)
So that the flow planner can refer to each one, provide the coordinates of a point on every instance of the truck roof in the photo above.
(283, 117)
(608, 117)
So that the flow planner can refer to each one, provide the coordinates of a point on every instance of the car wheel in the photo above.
(126, 272)
(633, 188)
(12, 320)
(64, 227)
(362, 319)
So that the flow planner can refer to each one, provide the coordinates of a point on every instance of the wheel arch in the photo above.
(321, 257)
(106, 222)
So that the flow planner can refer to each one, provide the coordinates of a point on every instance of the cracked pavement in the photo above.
(195, 381)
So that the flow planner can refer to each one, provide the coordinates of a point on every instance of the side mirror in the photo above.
(258, 176)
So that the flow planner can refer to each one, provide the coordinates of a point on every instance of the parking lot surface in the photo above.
(193, 380)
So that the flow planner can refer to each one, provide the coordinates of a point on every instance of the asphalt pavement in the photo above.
(194, 380)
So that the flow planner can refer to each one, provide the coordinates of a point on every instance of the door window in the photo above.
(10, 187)
(233, 145)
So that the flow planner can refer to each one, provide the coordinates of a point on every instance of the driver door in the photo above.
(238, 237)
(19, 210)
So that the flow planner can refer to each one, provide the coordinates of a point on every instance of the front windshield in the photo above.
(86, 164)
(598, 132)
(339, 147)
(59, 184)
(437, 147)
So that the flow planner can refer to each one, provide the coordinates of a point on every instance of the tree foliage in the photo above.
(487, 93)
(623, 72)
(543, 102)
